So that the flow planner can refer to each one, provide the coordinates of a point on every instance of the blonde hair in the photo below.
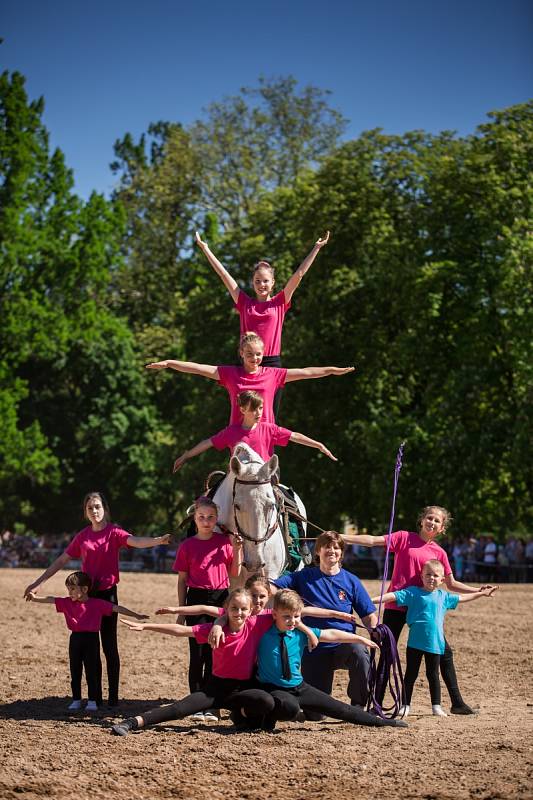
(237, 593)
(446, 516)
(261, 580)
(434, 563)
(288, 599)
(250, 338)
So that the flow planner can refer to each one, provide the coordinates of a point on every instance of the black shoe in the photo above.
(300, 716)
(238, 719)
(268, 724)
(396, 723)
(314, 716)
(463, 709)
(124, 727)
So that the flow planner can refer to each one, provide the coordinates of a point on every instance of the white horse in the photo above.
(249, 506)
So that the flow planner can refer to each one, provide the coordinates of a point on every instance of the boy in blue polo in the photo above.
(279, 667)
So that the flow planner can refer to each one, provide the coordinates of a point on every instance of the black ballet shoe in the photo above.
(124, 727)
(463, 709)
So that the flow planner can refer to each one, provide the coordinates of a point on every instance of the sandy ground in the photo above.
(47, 752)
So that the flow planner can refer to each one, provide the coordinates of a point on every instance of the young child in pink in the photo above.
(98, 546)
(260, 437)
(252, 375)
(83, 615)
(205, 563)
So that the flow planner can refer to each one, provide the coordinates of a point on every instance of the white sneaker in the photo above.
(404, 712)
(91, 705)
(75, 705)
(438, 711)
(211, 716)
(198, 717)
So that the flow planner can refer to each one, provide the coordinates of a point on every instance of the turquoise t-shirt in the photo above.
(425, 616)
(269, 656)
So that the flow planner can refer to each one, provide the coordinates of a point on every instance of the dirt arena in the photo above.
(47, 752)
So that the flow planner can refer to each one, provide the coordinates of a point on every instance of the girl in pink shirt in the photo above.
(252, 375)
(230, 685)
(98, 547)
(265, 314)
(411, 551)
(205, 563)
(260, 437)
(83, 615)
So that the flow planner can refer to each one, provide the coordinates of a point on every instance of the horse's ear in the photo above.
(235, 465)
(268, 468)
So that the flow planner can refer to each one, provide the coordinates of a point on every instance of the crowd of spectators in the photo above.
(473, 560)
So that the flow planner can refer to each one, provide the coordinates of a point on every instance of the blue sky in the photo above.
(106, 67)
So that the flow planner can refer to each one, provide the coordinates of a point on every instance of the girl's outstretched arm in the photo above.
(170, 629)
(194, 611)
(229, 282)
(300, 438)
(364, 539)
(315, 372)
(199, 448)
(454, 585)
(129, 613)
(54, 567)
(334, 635)
(204, 370)
(32, 597)
(294, 281)
(147, 541)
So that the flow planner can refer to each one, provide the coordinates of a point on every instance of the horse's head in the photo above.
(254, 503)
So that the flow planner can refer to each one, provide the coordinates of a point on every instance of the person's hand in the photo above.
(236, 540)
(142, 616)
(179, 462)
(165, 539)
(341, 370)
(370, 644)
(30, 590)
(166, 610)
(30, 596)
(312, 641)
(320, 242)
(488, 590)
(328, 453)
(216, 637)
(157, 365)
(135, 626)
(202, 245)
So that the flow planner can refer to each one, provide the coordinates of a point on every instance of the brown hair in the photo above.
(235, 593)
(105, 504)
(251, 399)
(328, 537)
(80, 579)
(287, 598)
(264, 265)
(204, 500)
(257, 578)
(446, 516)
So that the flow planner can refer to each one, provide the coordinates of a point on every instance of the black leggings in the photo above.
(200, 658)
(108, 636)
(219, 693)
(414, 659)
(395, 620)
(84, 651)
(288, 703)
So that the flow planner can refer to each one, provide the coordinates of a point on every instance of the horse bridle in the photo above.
(240, 531)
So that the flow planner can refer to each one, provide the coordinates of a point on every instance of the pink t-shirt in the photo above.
(410, 554)
(83, 617)
(266, 381)
(261, 438)
(206, 561)
(236, 657)
(265, 319)
(99, 551)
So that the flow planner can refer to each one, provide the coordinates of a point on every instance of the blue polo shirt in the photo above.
(425, 616)
(341, 592)
(269, 656)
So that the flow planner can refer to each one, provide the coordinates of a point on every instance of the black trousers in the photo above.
(395, 620)
(414, 659)
(108, 637)
(288, 703)
(200, 655)
(318, 669)
(84, 652)
(219, 693)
